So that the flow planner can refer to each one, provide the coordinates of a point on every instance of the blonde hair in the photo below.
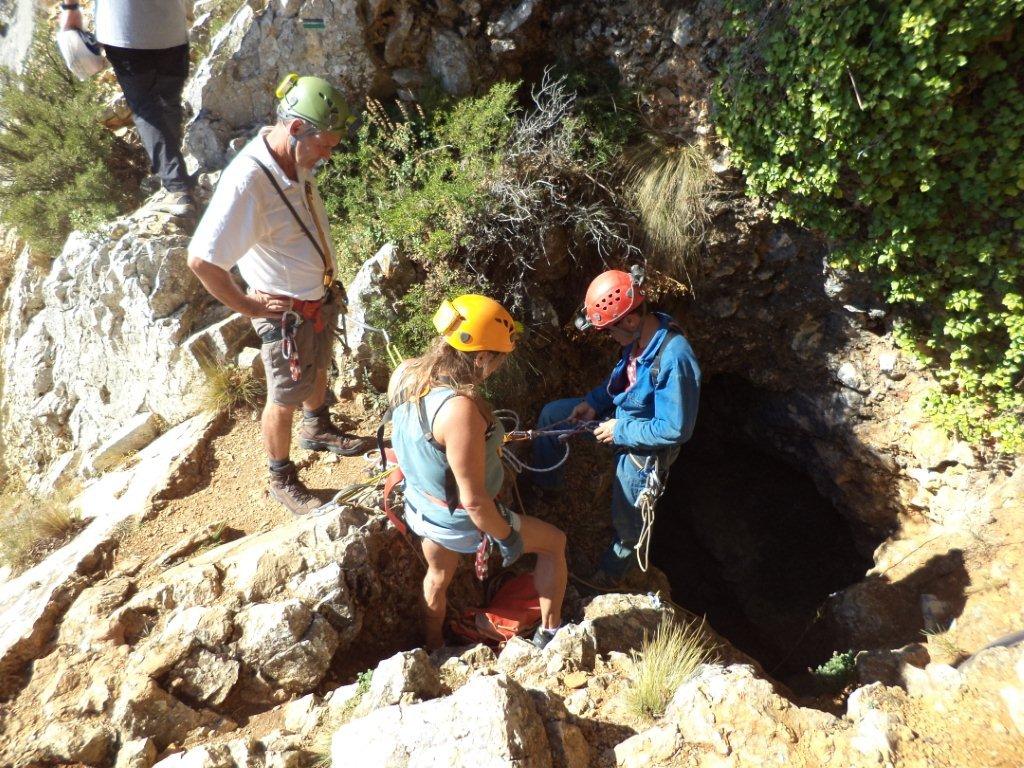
(444, 366)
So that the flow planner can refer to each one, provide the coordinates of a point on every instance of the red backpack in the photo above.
(513, 610)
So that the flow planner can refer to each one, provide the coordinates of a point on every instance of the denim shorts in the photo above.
(460, 536)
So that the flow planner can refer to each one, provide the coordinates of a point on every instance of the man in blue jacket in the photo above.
(647, 408)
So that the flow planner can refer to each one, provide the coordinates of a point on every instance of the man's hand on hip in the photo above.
(269, 306)
(605, 431)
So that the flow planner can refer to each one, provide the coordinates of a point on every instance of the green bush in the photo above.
(469, 189)
(60, 169)
(836, 673)
(895, 130)
(413, 179)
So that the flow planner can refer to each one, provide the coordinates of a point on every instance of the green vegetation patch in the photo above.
(60, 169)
(895, 130)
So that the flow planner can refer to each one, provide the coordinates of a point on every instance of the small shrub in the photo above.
(670, 187)
(836, 673)
(60, 169)
(938, 637)
(30, 526)
(479, 184)
(229, 387)
(665, 662)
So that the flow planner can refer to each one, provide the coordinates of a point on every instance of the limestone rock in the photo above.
(887, 666)
(77, 741)
(512, 19)
(204, 676)
(386, 273)
(137, 753)
(100, 337)
(573, 647)
(301, 715)
(726, 712)
(233, 89)
(137, 432)
(32, 603)
(287, 643)
(620, 622)
(490, 721)
(449, 61)
(402, 679)
(143, 709)
(520, 657)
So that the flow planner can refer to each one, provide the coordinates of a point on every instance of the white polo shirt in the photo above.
(248, 224)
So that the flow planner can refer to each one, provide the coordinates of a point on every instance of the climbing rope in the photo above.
(646, 504)
(556, 430)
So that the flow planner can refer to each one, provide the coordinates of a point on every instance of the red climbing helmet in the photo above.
(611, 296)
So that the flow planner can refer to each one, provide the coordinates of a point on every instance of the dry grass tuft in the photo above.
(31, 526)
(665, 662)
(229, 387)
(671, 188)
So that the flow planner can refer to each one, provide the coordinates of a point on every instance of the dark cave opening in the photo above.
(747, 540)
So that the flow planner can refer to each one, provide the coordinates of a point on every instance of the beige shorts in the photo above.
(315, 353)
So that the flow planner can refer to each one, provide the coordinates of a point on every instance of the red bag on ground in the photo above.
(513, 610)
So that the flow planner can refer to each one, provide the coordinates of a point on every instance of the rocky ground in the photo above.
(216, 631)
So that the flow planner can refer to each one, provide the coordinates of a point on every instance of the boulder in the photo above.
(137, 753)
(204, 677)
(490, 721)
(99, 341)
(233, 88)
(143, 709)
(138, 432)
(404, 678)
(76, 741)
(621, 622)
(287, 643)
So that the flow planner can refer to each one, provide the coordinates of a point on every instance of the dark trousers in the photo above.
(152, 82)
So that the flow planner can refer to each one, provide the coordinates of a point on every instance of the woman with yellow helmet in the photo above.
(447, 441)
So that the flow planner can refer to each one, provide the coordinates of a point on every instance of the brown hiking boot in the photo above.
(321, 434)
(286, 488)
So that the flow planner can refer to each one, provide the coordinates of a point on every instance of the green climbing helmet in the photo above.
(314, 100)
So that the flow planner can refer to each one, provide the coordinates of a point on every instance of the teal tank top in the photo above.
(428, 480)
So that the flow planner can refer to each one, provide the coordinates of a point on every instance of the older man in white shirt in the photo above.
(267, 217)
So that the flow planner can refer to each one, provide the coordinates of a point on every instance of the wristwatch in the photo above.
(69, 6)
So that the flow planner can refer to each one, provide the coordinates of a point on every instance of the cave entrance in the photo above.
(747, 540)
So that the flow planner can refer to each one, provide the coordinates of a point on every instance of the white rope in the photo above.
(647, 503)
(517, 465)
(506, 417)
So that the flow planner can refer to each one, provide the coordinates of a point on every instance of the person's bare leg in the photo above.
(277, 430)
(441, 566)
(319, 392)
(552, 573)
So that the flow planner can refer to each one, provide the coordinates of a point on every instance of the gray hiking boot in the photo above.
(174, 203)
(321, 434)
(287, 489)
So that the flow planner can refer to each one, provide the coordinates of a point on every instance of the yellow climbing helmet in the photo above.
(473, 323)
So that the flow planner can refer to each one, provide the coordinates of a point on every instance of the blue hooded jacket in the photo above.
(653, 414)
